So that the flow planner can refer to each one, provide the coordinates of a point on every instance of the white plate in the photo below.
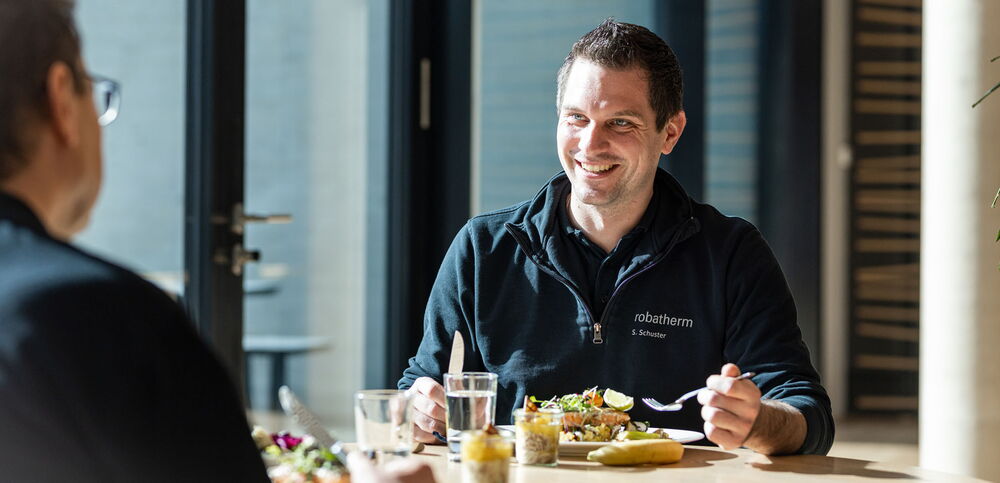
(581, 448)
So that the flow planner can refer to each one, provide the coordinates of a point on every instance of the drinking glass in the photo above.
(471, 404)
(537, 436)
(383, 420)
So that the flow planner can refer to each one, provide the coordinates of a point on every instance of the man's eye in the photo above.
(576, 117)
(621, 123)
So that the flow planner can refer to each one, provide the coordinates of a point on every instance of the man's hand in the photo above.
(399, 471)
(729, 407)
(735, 416)
(428, 405)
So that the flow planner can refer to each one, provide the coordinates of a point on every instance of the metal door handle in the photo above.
(237, 258)
(240, 219)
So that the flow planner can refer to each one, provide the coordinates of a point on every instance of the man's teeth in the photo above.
(597, 168)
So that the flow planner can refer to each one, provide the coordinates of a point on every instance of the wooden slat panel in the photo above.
(889, 162)
(910, 286)
(890, 332)
(897, 403)
(887, 176)
(878, 86)
(886, 106)
(890, 209)
(888, 245)
(879, 68)
(886, 293)
(889, 363)
(888, 137)
(894, 3)
(888, 225)
(887, 272)
(888, 201)
(892, 314)
(890, 16)
(881, 39)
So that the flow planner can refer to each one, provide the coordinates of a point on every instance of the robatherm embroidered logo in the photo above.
(664, 319)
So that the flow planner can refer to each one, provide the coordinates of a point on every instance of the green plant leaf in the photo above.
(987, 94)
(998, 235)
(995, 58)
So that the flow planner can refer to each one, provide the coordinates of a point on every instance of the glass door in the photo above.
(307, 90)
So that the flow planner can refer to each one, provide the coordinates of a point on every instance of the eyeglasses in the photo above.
(107, 98)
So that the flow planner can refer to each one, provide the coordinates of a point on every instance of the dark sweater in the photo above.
(699, 289)
(102, 377)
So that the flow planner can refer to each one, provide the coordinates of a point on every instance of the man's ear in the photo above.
(61, 95)
(675, 126)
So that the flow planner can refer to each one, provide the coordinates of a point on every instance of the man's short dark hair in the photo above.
(621, 46)
(34, 34)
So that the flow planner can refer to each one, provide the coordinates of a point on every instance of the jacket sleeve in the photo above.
(449, 309)
(762, 336)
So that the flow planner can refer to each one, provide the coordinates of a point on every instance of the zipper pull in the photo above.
(597, 334)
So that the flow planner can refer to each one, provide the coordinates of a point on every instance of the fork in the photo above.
(679, 403)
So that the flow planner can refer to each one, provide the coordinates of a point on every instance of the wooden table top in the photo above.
(701, 463)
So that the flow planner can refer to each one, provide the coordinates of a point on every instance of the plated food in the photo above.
(598, 416)
(292, 459)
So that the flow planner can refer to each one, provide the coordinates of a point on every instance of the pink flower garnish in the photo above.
(286, 441)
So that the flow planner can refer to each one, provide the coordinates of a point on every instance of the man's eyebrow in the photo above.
(624, 113)
(628, 113)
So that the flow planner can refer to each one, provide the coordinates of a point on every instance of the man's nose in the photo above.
(593, 139)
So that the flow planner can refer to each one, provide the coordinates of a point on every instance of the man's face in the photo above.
(607, 138)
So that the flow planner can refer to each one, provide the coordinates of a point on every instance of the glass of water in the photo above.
(383, 420)
(471, 404)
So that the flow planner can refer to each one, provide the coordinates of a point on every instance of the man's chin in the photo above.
(591, 198)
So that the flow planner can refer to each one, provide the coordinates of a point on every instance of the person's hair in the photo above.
(622, 46)
(34, 34)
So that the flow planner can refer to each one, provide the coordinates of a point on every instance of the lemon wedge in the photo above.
(617, 400)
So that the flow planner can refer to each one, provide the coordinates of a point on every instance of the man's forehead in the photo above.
(623, 92)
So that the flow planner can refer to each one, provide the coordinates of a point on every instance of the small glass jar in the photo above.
(485, 457)
(536, 435)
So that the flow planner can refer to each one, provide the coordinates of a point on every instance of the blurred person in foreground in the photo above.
(612, 276)
(102, 377)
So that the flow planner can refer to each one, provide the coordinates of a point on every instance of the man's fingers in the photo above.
(740, 389)
(722, 437)
(409, 471)
(424, 436)
(730, 370)
(397, 471)
(430, 388)
(428, 423)
(723, 419)
(425, 405)
(360, 467)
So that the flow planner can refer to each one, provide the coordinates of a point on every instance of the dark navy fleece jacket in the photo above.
(700, 289)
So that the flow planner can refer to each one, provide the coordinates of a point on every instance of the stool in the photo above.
(278, 348)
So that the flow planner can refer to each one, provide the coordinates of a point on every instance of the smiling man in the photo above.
(612, 276)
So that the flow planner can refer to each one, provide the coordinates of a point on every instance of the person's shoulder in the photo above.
(43, 274)
(714, 223)
(495, 222)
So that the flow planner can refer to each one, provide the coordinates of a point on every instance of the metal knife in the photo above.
(457, 354)
(305, 418)
(454, 367)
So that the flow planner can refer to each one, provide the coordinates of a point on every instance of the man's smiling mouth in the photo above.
(596, 168)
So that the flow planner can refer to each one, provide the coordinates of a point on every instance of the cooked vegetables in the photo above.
(656, 451)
